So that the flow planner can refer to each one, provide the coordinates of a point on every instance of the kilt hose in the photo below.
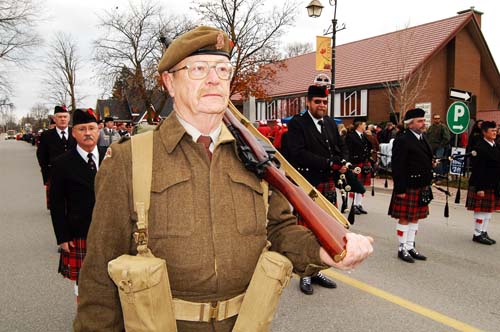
(488, 203)
(408, 208)
(70, 263)
(323, 187)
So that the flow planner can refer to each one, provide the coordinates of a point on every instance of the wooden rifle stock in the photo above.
(329, 232)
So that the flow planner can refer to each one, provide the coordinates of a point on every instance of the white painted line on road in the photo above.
(434, 315)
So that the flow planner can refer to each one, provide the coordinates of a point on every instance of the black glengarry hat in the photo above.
(414, 113)
(82, 117)
(317, 91)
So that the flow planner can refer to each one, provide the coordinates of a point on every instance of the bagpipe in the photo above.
(259, 156)
(346, 183)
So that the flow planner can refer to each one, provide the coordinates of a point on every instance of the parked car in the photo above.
(11, 134)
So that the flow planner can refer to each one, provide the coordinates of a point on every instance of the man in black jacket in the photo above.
(483, 196)
(360, 150)
(316, 150)
(53, 143)
(72, 193)
(412, 173)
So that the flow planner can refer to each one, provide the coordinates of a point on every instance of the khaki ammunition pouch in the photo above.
(206, 312)
(272, 274)
(142, 280)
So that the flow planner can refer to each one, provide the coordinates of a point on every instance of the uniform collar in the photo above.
(172, 132)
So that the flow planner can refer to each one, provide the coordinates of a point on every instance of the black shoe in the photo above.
(305, 285)
(356, 210)
(488, 237)
(322, 280)
(360, 209)
(404, 255)
(415, 254)
(481, 239)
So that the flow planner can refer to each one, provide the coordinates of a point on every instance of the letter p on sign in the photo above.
(459, 112)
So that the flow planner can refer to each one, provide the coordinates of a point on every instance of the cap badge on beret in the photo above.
(220, 41)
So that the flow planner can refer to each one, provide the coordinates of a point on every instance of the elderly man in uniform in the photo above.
(483, 196)
(72, 193)
(412, 173)
(207, 215)
(54, 142)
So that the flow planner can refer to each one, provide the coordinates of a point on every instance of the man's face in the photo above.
(318, 106)
(490, 134)
(86, 135)
(194, 97)
(436, 120)
(417, 125)
(110, 124)
(61, 120)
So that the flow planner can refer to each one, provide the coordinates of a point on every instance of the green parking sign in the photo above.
(458, 117)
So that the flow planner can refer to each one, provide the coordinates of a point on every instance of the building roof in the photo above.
(378, 59)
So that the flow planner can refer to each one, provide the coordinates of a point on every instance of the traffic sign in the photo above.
(458, 117)
(460, 94)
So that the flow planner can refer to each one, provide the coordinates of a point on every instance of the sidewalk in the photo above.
(438, 195)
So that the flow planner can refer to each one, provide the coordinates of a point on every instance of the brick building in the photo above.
(449, 53)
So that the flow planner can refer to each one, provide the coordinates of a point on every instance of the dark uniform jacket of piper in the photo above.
(311, 152)
(359, 149)
(72, 195)
(51, 146)
(411, 162)
(485, 166)
(207, 220)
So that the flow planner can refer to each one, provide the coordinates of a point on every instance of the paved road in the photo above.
(455, 290)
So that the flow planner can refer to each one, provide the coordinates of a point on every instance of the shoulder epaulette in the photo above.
(123, 139)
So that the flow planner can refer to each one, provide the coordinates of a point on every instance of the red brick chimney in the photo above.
(477, 14)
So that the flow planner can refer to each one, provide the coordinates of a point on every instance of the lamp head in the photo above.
(314, 8)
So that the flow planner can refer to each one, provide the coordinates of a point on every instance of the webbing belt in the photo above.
(205, 312)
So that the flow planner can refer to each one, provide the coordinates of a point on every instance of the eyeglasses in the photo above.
(198, 70)
(83, 130)
(320, 101)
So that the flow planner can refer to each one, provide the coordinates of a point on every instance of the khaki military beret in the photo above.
(201, 40)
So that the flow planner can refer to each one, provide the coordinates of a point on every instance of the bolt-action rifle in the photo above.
(263, 161)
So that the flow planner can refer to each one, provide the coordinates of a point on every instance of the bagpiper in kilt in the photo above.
(483, 195)
(72, 194)
(359, 154)
(316, 151)
(412, 173)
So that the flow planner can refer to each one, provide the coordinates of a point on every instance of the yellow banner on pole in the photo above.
(323, 53)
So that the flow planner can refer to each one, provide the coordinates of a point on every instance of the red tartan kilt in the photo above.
(322, 188)
(70, 263)
(47, 195)
(407, 208)
(488, 203)
(365, 179)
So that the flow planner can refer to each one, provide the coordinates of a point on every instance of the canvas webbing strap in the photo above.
(142, 170)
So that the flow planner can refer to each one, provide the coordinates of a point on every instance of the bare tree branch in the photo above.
(255, 31)
(63, 63)
(297, 48)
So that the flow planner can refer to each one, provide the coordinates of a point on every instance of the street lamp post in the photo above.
(314, 10)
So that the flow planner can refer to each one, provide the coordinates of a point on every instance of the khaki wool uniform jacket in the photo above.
(207, 220)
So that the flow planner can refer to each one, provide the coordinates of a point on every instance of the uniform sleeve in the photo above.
(110, 235)
(294, 241)
(399, 169)
(42, 154)
(58, 204)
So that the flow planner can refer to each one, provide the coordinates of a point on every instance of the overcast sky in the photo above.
(363, 19)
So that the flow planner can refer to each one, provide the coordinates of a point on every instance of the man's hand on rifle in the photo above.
(358, 248)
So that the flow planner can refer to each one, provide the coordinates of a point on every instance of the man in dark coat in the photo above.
(359, 154)
(72, 193)
(54, 142)
(483, 196)
(412, 173)
(316, 150)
